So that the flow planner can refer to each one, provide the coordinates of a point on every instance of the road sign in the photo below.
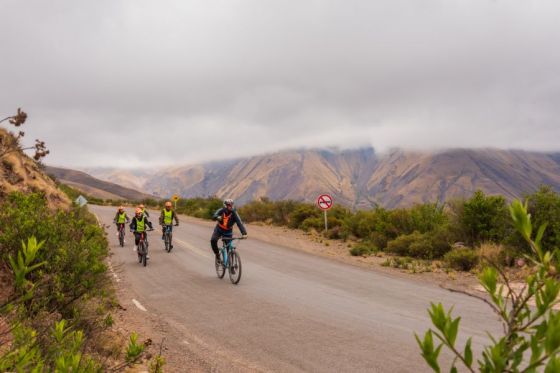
(81, 201)
(325, 202)
(175, 197)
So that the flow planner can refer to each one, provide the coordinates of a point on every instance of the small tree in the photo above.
(11, 145)
(484, 218)
(531, 338)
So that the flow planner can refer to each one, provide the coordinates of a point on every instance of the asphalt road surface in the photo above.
(292, 311)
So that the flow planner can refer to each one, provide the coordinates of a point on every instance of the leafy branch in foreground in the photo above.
(531, 338)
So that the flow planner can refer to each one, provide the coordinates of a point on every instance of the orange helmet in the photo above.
(168, 204)
(142, 206)
(121, 208)
(138, 210)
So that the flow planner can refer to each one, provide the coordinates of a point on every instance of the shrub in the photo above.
(55, 270)
(484, 218)
(544, 206)
(401, 244)
(301, 214)
(134, 350)
(363, 249)
(462, 259)
(530, 341)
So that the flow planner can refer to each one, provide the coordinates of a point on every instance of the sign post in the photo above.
(325, 203)
(175, 198)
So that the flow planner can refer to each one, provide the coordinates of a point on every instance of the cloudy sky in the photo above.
(149, 83)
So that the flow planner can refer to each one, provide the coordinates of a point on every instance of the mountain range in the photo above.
(93, 186)
(359, 178)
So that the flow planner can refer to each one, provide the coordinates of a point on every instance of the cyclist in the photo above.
(226, 218)
(144, 211)
(138, 226)
(166, 219)
(121, 218)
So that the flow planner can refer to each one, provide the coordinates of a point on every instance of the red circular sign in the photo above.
(325, 202)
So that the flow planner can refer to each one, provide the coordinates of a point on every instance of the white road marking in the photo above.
(139, 306)
(113, 272)
(97, 218)
(194, 249)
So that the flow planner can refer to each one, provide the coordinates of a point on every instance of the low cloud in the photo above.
(138, 83)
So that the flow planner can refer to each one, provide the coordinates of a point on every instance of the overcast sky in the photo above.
(143, 83)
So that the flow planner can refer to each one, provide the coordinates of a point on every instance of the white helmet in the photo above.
(228, 202)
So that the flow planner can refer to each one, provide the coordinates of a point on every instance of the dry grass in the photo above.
(20, 173)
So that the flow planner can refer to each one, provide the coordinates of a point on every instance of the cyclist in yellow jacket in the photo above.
(166, 219)
(138, 226)
(121, 218)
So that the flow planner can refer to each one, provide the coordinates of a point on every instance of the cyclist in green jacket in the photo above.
(138, 226)
(166, 219)
(121, 218)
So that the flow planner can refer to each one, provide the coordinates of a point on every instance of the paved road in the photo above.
(292, 311)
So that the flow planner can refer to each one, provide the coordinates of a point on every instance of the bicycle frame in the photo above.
(227, 247)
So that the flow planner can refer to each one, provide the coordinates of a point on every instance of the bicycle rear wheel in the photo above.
(220, 268)
(234, 267)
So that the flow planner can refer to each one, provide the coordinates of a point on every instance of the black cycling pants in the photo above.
(219, 233)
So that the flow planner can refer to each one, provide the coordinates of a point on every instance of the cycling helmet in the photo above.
(228, 202)
(168, 204)
(138, 210)
(142, 206)
(121, 208)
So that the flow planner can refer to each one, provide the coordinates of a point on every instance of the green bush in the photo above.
(485, 218)
(544, 206)
(530, 340)
(363, 249)
(57, 260)
(462, 259)
(202, 208)
(401, 245)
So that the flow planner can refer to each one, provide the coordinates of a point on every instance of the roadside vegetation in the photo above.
(458, 234)
(531, 323)
(56, 299)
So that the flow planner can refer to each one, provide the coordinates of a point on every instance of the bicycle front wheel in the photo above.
(234, 267)
(220, 268)
(168, 242)
(121, 238)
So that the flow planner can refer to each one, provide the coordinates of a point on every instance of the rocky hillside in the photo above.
(18, 172)
(95, 187)
(362, 178)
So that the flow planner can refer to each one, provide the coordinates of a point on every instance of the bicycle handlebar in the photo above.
(233, 238)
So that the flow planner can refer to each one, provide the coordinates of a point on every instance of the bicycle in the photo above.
(121, 235)
(230, 260)
(143, 248)
(168, 236)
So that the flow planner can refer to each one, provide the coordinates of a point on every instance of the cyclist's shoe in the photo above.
(218, 258)
(163, 236)
(147, 256)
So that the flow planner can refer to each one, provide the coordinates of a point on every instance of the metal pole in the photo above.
(326, 222)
